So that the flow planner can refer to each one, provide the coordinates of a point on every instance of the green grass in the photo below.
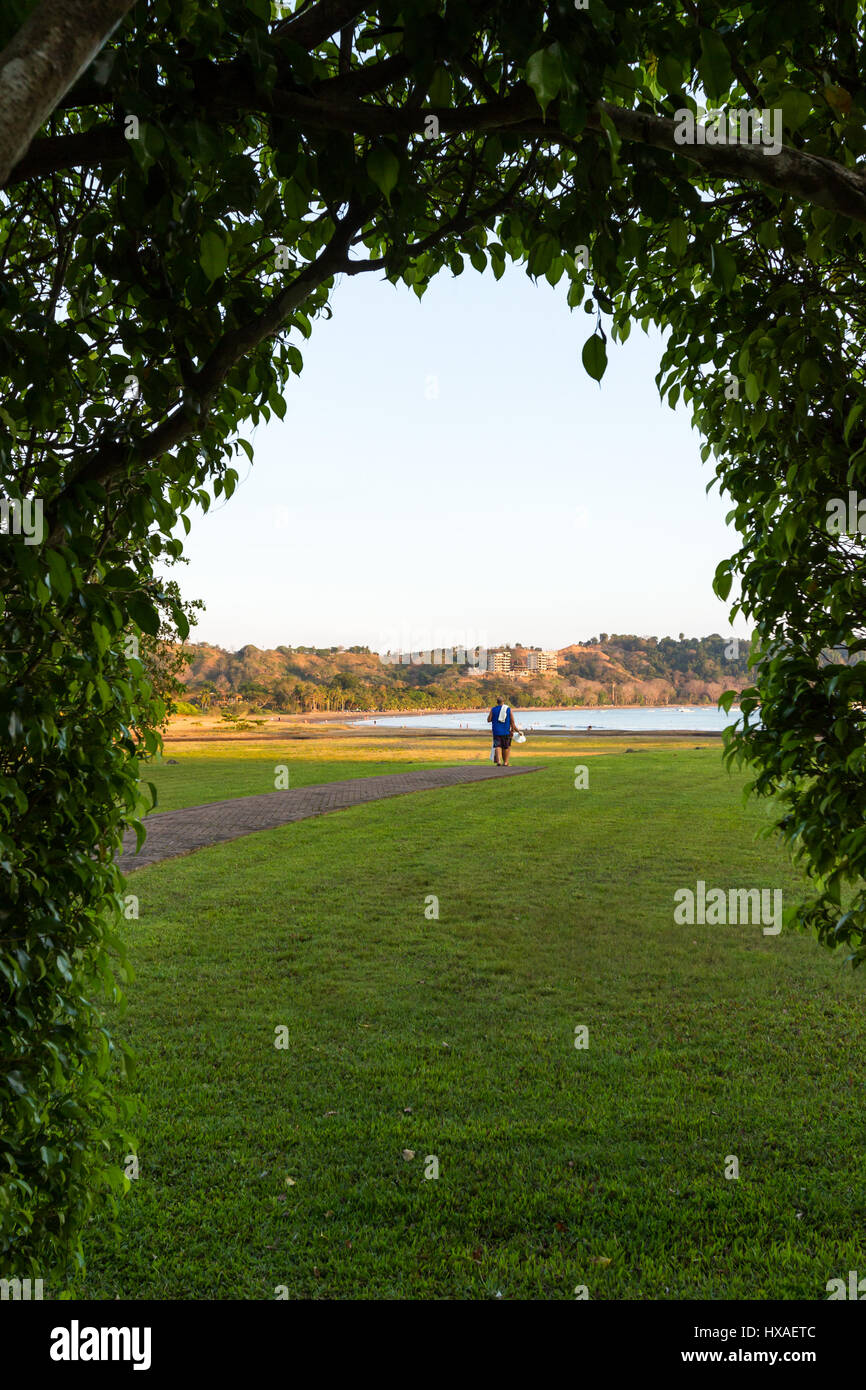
(194, 772)
(556, 909)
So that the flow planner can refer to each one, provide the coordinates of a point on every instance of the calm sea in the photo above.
(697, 718)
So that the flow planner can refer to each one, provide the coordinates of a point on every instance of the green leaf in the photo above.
(295, 200)
(594, 356)
(724, 268)
(440, 88)
(839, 99)
(61, 580)
(152, 138)
(669, 73)
(143, 614)
(723, 580)
(796, 108)
(213, 254)
(678, 237)
(542, 254)
(853, 416)
(613, 137)
(714, 65)
(544, 75)
(383, 167)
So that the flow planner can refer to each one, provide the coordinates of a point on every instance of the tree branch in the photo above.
(40, 64)
(114, 459)
(347, 35)
(808, 178)
(317, 23)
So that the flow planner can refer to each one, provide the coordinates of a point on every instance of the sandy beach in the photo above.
(207, 728)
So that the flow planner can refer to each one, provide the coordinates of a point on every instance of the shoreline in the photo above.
(321, 715)
(261, 736)
(353, 717)
(524, 709)
(205, 727)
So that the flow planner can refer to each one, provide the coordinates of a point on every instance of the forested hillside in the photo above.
(620, 670)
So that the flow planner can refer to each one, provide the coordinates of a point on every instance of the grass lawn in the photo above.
(454, 1037)
(192, 773)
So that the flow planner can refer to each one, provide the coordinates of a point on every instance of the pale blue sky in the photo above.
(446, 470)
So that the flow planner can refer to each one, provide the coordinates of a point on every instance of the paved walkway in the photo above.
(172, 833)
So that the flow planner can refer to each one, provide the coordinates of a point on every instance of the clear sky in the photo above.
(447, 472)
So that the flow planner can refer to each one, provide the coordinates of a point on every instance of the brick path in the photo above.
(171, 833)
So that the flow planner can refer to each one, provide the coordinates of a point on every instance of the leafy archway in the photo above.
(175, 218)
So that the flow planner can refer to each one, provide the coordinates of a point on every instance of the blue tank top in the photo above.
(501, 721)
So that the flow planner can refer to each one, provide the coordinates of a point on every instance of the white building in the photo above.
(542, 661)
(499, 661)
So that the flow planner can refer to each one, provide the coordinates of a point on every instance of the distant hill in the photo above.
(620, 670)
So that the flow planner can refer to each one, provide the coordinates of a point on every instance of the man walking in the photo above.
(504, 727)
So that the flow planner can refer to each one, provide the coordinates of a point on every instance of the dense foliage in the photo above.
(178, 226)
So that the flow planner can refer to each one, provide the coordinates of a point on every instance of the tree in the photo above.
(282, 694)
(162, 655)
(349, 689)
(302, 694)
(179, 223)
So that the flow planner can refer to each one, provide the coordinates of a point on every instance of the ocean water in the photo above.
(696, 718)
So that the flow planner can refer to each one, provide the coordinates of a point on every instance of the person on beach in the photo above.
(504, 728)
